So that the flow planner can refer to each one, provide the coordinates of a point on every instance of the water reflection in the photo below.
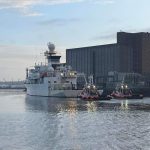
(71, 124)
(92, 106)
(73, 106)
(55, 105)
(50, 104)
(124, 105)
(89, 125)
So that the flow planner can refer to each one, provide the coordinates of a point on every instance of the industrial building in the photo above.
(129, 55)
(140, 43)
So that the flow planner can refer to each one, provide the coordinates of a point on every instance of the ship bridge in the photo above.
(51, 55)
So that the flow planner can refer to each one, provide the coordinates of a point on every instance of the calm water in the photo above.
(37, 123)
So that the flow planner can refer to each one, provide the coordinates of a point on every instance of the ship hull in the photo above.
(42, 90)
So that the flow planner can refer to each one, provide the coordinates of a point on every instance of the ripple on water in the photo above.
(35, 123)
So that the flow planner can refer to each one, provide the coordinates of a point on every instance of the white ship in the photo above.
(52, 79)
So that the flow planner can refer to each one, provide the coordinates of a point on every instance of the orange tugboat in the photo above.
(90, 92)
(123, 92)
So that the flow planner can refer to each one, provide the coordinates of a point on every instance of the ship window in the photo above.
(55, 81)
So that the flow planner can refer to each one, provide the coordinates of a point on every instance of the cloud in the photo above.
(5, 4)
(25, 3)
(59, 21)
(109, 1)
(106, 2)
(26, 6)
(23, 6)
(110, 36)
(29, 13)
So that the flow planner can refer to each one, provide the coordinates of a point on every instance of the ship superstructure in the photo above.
(53, 78)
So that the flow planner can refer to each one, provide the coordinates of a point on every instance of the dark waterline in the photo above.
(39, 123)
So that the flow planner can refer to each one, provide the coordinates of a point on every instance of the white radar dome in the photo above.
(51, 46)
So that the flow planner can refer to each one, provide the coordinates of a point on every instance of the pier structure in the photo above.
(12, 85)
